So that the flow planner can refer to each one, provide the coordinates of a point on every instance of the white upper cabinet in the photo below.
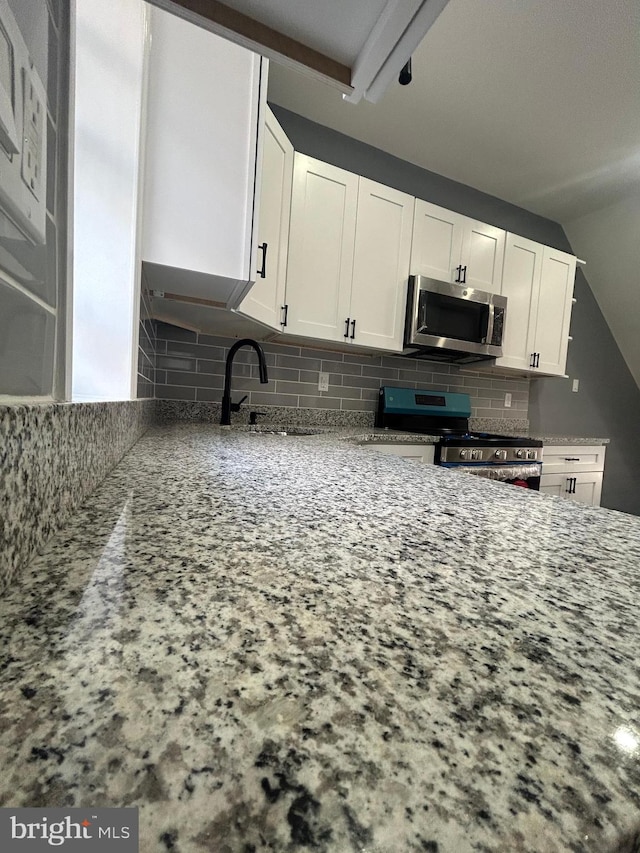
(384, 225)
(538, 283)
(266, 299)
(451, 247)
(203, 118)
(349, 250)
(321, 248)
(554, 311)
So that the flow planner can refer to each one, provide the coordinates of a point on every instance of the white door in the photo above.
(265, 300)
(554, 311)
(521, 285)
(321, 246)
(437, 241)
(384, 225)
(482, 256)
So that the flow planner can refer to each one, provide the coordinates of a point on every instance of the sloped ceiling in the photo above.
(537, 103)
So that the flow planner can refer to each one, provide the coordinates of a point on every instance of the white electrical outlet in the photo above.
(323, 382)
(576, 385)
(507, 400)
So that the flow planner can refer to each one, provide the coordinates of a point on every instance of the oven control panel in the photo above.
(491, 455)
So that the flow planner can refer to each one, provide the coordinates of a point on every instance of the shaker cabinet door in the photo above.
(321, 248)
(265, 300)
(521, 286)
(553, 314)
(483, 256)
(437, 241)
(381, 266)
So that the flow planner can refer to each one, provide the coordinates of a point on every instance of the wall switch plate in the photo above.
(507, 400)
(323, 382)
(576, 385)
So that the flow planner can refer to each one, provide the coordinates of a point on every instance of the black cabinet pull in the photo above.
(353, 329)
(568, 489)
(572, 481)
(532, 360)
(571, 458)
(346, 327)
(537, 364)
(262, 272)
(459, 271)
(464, 275)
(283, 322)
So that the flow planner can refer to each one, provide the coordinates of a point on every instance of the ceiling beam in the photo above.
(247, 32)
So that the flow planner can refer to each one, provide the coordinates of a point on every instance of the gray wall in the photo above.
(608, 403)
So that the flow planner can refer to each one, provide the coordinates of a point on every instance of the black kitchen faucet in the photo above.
(227, 405)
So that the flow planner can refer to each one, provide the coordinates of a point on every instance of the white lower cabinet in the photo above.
(416, 452)
(349, 250)
(574, 472)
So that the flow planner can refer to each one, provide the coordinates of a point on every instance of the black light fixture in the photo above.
(405, 74)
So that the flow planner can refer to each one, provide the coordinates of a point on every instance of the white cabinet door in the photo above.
(205, 96)
(437, 241)
(265, 300)
(482, 256)
(384, 225)
(583, 487)
(424, 453)
(553, 314)
(521, 286)
(321, 247)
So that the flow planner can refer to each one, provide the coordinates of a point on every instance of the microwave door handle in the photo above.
(490, 319)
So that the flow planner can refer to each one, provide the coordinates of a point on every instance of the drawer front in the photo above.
(572, 459)
(585, 487)
(417, 452)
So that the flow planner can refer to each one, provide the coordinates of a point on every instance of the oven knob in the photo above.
(501, 454)
(463, 454)
(531, 454)
(519, 454)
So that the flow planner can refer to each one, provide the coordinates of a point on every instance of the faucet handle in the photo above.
(253, 417)
(235, 407)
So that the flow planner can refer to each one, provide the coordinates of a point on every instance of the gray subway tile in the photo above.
(286, 373)
(399, 362)
(412, 376)
(476, 382)
(279, 349)
(161, 377)
(369, 382)
(362, 358)
(358, 405)
(208, 395)
(197, 380)
(299, 363)
(380, 372)
(169, 362)
(175, 392)
(175, 333)
(296, 387)
(342, 367)
(344, 392)
(319, 402)
(261, 398)
(204, 365)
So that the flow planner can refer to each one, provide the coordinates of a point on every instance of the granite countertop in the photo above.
(292, 643)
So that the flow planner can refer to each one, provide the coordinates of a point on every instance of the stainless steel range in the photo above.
(511, 459)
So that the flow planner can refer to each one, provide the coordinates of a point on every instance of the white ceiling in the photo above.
(534, 101)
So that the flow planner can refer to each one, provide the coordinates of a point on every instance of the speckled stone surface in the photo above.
(170, 411)
(293, 643)
(569, 440)
(51, 457)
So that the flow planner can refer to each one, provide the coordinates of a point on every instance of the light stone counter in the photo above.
(274, 643)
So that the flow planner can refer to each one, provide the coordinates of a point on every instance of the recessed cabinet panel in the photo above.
(267, 296)
(582, 487)
(521, 285)
(483, 255)
(381, 266)
(321, 247)
(437, 241)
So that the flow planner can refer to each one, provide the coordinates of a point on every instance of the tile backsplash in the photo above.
(146, 348)
(190, 366)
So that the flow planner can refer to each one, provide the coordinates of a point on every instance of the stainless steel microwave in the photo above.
(453, 322)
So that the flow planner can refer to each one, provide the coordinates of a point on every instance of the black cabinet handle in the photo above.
(346, 327)
(532, 360)
(464, 275)
(285, 308)
(459, 271)
(572, 485)
(537, 364)
(571, 458)
(353, 329)
(568, 489)
(262, 272)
